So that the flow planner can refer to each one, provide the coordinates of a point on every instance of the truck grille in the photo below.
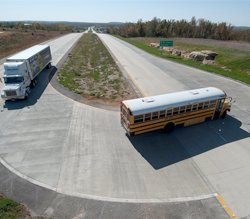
(10, 93)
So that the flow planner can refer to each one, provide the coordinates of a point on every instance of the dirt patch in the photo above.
(13, 41)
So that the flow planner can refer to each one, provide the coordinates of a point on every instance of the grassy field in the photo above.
(231, 62)
(93, 74)
(13, 41)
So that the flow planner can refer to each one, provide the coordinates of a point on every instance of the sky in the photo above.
(232, 12)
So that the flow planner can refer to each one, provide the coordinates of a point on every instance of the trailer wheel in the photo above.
(169, 127)
(48, 66)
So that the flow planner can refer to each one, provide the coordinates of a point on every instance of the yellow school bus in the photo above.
(168, 110)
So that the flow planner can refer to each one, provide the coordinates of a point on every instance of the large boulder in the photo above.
(197, 56)
(210, 54)
(155, 45)
(185, 54)
(176, 52)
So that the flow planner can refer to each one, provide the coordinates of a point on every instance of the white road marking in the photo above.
(166, 88)
(217, 133)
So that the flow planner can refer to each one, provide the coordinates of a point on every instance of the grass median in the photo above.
(11, 209)
(232, 63)
(93, 74)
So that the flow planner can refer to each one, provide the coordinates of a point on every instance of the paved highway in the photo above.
(79, 150)
(218, 150)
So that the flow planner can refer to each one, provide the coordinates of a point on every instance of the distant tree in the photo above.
(20, 26)
(192, 27)
(151, 27)
(38, 26)
(140, 28)
(163, 28)
(131, 31)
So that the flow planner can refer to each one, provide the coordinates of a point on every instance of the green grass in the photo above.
(9, 208)
(237, 61)
(92, 71)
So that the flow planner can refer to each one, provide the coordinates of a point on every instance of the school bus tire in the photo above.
(223, 116)
(169, 127)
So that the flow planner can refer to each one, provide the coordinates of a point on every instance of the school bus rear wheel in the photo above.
(169, 127)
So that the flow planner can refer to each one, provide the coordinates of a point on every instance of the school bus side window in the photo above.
(138, 119)
(212, 103)
(194, 107)
(188, 108)
(155, 115)
(206, 105)
(176, 110)
(147, 117)
(200, 106)
(169, 112)
(162, 114)
(182, 109)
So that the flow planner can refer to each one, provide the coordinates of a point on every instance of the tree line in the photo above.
(57, 26)
(37, 26)
(194, 28)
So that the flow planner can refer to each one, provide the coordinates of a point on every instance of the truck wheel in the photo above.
(34, 83)
(26, 95)
(169, 127)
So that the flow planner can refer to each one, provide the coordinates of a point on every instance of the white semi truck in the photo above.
(22, 69)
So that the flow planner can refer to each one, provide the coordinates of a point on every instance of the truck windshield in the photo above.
(10, 80)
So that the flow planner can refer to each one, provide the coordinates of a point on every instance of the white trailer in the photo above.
(22, 69)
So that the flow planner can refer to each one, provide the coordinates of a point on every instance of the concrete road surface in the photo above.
(218, 149)
(77, 150)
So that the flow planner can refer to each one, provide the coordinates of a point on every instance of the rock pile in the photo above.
(210, 54)
(155, 45)
(205, 56)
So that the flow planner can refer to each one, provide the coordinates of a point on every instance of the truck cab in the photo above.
(16, 81)
(21, 71)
